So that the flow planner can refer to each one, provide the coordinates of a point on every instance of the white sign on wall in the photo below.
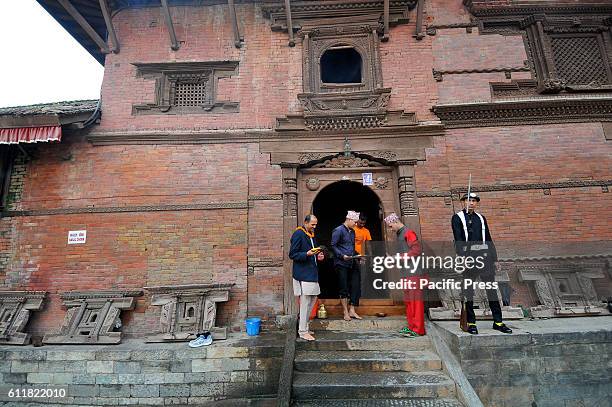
(367, 178)
(77, 236)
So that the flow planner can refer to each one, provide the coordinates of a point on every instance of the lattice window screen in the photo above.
(579, 60)
(190, 93)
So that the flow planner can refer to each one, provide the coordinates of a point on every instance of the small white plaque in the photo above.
(77, 236)
(367, 178)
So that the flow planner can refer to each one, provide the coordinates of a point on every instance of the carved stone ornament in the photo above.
(15, 310)
(313, 183)
(553, 85)
(343, 161)
(564, 288)
(383, 155)
(381, 182)
(307, 157)
(93, 317)
(187, 310)
(451, 306)
(290, 197)
(369, 102)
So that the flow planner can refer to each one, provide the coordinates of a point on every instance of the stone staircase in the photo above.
(368, 364)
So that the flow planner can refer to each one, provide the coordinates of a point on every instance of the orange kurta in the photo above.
(361, 235)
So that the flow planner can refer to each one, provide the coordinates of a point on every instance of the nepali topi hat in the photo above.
(473, 196)
(352, 215)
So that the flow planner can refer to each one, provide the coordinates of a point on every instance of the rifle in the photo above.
(463, 324)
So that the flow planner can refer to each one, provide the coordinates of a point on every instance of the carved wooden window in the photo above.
(341, 65)
(186, 87)
(190, 90)
(580, 60)
(569, 54)
(343, 48)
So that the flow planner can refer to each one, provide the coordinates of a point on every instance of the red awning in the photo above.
(30, 134)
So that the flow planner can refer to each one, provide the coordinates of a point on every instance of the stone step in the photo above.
(368, 340)
(413, 402)
(363, 385)
(392, 323)
(363, 361)
(336, 312)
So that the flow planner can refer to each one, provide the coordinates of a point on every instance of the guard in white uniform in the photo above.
(472, 238)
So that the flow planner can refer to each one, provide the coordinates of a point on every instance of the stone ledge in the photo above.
(147, 374)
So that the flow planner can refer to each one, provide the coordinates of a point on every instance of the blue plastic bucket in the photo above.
(252, 326)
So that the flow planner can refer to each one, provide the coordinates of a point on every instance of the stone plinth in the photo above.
(93, 317)
(548, 363)
(187, 310)
(15, 310)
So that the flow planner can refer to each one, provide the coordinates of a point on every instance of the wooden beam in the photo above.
(385, 21)
(419, 35)
(175, 45)
(237, 38)
(84, 25)
(289, 23)
(109, 25)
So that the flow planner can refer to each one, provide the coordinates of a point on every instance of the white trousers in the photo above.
(306, 303)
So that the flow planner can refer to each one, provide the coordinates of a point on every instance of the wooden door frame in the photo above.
(404, 188)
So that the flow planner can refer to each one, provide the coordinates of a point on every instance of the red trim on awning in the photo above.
(30, 134)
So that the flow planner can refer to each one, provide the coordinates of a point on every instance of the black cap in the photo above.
(473, 195)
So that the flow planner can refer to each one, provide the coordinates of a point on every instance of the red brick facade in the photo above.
(236, 233)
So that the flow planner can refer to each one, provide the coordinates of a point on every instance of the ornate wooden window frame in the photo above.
(167, 75)
(541, 30)
(538, 22)
(363, 38)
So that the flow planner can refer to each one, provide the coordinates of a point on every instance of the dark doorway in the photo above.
(330, 207)
(341, 65)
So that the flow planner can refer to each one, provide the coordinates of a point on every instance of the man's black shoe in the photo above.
(472, 330)
(502, 328)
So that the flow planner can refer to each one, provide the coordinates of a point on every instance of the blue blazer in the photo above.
(304, 267)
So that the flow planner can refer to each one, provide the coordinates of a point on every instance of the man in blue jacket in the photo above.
(305, 254)
(349, 276)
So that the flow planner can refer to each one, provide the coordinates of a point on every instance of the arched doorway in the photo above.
(330, 207)
(328, 190)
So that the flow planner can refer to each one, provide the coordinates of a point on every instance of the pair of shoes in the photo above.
(472, 329)
(501, 327)
(409, 333)
(203, 339)
(307, 336)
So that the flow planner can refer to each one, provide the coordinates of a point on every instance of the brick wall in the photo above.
(521, 155)
(244, 244)
(266, 86)
(155, 244)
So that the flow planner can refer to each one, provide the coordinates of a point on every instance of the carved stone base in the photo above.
(93, 317)
(542, 311)
(451, 309)
(15, 309)
(443, 313)
(188, 310)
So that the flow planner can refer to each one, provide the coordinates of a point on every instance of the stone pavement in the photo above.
(135, 372)
(560, 362)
